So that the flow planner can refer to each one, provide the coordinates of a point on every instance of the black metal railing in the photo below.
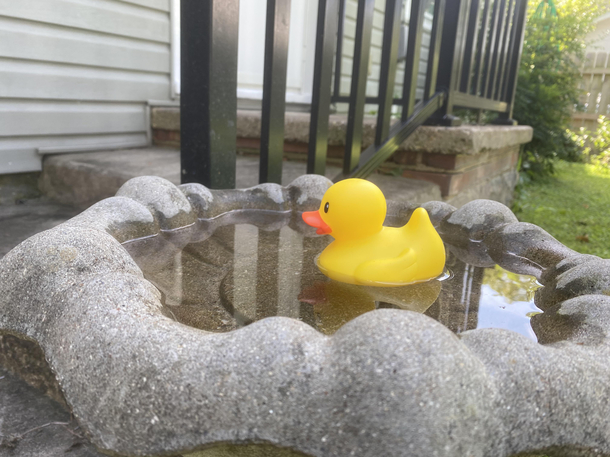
(473, 60)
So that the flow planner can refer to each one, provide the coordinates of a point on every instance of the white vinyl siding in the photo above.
(78, 75)
(349, 34)
(301, 50)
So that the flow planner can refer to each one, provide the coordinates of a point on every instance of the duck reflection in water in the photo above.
(335, 303)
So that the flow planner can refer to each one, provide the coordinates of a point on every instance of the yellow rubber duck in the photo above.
(365, 252)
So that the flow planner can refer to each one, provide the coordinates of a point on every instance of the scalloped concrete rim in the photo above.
(387, 383)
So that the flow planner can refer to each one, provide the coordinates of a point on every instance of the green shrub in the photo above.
(547, 88)
(595, 146)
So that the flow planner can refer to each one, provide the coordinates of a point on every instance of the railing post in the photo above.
(274, 91)
(515, 61)
(387, 74)
(510, 25)
(434, 50)
(481, 49)
(450, 61)
(208, 102)
(470, 46)
(338, 63)
(355, 118)
(416, 31)
(322, 75)
(494, 37)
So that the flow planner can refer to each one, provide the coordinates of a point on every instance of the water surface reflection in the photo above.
(224, 274)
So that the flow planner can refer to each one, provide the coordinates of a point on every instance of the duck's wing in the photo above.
(385, 271)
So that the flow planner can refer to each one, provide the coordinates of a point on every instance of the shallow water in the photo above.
(222, 274)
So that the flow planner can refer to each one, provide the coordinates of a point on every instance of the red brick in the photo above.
(405, 157)
(443, 161)
(453, 183)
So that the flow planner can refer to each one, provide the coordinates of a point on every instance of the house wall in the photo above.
(78, 75)
(299, 81)
(251, 51)
(600, 37)
(372, 86)
(595, 78)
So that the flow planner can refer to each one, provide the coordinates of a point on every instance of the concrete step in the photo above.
(85, 178)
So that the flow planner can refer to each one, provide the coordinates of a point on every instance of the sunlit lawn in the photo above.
(573, 206)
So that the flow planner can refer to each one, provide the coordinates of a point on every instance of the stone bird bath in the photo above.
(387, 383)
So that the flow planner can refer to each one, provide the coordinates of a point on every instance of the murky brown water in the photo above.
(223, 274)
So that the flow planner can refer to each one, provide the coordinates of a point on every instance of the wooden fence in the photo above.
(595, 84)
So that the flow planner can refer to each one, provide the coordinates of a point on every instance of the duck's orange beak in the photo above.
(314, 219)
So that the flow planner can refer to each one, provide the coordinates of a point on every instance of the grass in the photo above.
(573, 206)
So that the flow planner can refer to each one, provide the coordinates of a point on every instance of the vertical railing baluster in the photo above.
(339, 54)
(492, 42)
(470, 46)
(449, 65)
(321, 92)
(355, 117)
(208, 102)
(481, 49)
(497, 89)
(511, 48)
(435, 49)
(493, 75)
(387, 74)
(274, 91)
(416, 29)
(507, 117)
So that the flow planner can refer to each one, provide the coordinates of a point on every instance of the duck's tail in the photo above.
(420, 224)
(422, 234)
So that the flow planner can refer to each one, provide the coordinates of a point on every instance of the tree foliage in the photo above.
(595, 146)
(547, 89)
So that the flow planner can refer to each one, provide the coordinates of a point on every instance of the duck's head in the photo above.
(350, 209)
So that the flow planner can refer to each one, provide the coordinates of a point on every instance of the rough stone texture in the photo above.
(471, 139)
(466, 162)
(550, 275)
(492, 174)
(592, 277)
(83, 179)
(387, 383)
(473, 221)
(583, 320)
(467, 139)
(512, 243)
(307, 191)
(22, 410)
(123, 218)
(499, 188)
(168, 205)
(466, 228)
(438, 211)
(26, 359)
(553, 395)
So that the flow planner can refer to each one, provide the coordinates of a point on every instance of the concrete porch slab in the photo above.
(20, 221)
(85, 178)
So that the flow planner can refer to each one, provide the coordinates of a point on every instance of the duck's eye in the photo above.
(326, 207)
